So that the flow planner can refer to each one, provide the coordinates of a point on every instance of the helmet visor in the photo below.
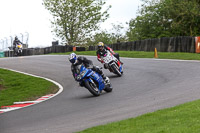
(72, 60)
(100, 47)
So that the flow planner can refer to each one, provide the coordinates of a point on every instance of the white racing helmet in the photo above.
(72, 58)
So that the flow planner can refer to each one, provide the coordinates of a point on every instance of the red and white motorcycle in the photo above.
(112, 63)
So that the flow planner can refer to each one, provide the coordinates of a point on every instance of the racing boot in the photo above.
(121, 62)
(103, 76)
(106, 79)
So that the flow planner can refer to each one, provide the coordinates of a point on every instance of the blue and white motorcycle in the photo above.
(93, 81)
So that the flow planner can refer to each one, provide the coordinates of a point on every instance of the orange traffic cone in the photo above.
(155, 53)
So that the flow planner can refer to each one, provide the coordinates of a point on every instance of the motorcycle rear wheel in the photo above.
(108, 88)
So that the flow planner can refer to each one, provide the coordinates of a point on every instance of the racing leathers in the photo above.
(102, 52)
(15, 43)
(75, 68)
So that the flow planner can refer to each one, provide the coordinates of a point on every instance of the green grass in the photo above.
(142, 54)
(184, 118)
(15, 87)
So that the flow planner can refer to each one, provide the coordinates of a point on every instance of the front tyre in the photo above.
(116, 70)
(92, 88)
(19, 52)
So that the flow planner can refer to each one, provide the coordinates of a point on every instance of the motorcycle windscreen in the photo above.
(78, 69)
(81, 68)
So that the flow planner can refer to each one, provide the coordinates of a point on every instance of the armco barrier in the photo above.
(80, 48)
(92, 48)
(47, 50)
(165, 44)
(9, 53)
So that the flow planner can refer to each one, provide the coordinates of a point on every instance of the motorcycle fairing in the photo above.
(93, 75)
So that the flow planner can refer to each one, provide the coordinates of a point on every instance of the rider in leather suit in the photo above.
(15, 43)
(101, 51)
(82, 60)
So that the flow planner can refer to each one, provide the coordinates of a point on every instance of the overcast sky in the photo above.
(29, 16)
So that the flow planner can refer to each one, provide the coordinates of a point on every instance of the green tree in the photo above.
(117, 33)
(102, 36)
(149, 24)
(113, 36)
(185, 16)
(165, 18)
(75, 20)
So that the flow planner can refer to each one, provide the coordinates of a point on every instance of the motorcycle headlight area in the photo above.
(80, 76)
(19, 46)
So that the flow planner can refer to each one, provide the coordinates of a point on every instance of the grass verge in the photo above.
(15, 87)
(184, 118)
(142, 54)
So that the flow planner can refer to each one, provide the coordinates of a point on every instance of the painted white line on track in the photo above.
(9, 109)
(26, 102)
(44, 98)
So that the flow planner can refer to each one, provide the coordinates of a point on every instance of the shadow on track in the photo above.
(113, 76)
(91, 96)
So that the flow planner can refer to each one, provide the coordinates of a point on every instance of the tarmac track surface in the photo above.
(147, 85)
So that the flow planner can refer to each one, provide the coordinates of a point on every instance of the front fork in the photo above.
(94, 85)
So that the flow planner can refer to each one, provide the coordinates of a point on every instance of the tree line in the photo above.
(77, 22)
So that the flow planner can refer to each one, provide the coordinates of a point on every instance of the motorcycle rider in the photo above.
(87, 63)
(16, 42)
(101, 51)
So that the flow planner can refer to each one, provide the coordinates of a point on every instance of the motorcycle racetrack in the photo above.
(147, 85)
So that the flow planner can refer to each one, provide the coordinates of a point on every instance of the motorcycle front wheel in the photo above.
(116, 70)
(92, 88)
(20, 53)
